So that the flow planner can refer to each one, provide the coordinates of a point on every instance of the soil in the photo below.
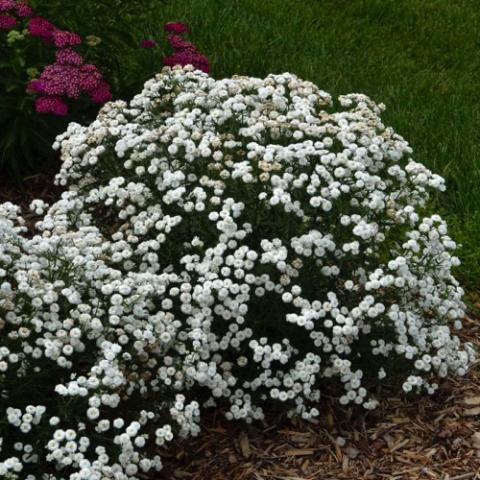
(23, 191)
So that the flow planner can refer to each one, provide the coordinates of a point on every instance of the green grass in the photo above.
(420, 58)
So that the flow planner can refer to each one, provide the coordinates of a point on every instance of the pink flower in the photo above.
(177, 28)
(68, 77)
(67, 56)
(23, 10)
(188, 57)
(70, 80)
(147, 44)
(7, 5)
(178, 43)
(185, 53)
(35, 86)
(53, 105)
(58, 80)
(39, 27)
(67, 80)
(89, 77)
(101, 93)
(62, 38)
(7, 22)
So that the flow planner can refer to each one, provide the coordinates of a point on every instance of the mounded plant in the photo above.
(228, 242)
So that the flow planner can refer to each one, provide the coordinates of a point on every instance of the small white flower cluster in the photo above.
(24, 422)
(221, 242)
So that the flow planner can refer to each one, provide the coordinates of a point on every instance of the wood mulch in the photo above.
(405, 439)
(22, 191)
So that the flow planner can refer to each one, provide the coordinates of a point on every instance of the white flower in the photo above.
(234, 235)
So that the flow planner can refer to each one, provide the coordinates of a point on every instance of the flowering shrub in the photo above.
(236, 241)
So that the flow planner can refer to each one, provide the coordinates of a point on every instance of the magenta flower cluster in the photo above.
(68, 77)
(147, 43)
(7, 22)
(53, 105)
(184, 52)
(41, 28)
(10, 10)
(176, 27)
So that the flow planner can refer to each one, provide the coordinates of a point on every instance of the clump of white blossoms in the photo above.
(232, 242)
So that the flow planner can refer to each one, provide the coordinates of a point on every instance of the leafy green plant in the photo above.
(111, 42)
(22, 135)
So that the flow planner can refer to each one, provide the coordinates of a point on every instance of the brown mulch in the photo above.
(22, 191)
(405, 439)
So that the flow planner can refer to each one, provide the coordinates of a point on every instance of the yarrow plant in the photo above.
(68, 77)
(184, 52)
(31, 86)
(44, 75)
(234, 242)
(10, 10)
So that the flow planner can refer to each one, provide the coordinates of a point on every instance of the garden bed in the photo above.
(241, 245)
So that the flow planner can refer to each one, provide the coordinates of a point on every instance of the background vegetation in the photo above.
(420, 58)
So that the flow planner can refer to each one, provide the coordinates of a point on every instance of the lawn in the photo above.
(422, 59)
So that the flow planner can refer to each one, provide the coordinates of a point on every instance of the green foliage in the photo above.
(117, 28)
(111, 42)
(22, 135)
